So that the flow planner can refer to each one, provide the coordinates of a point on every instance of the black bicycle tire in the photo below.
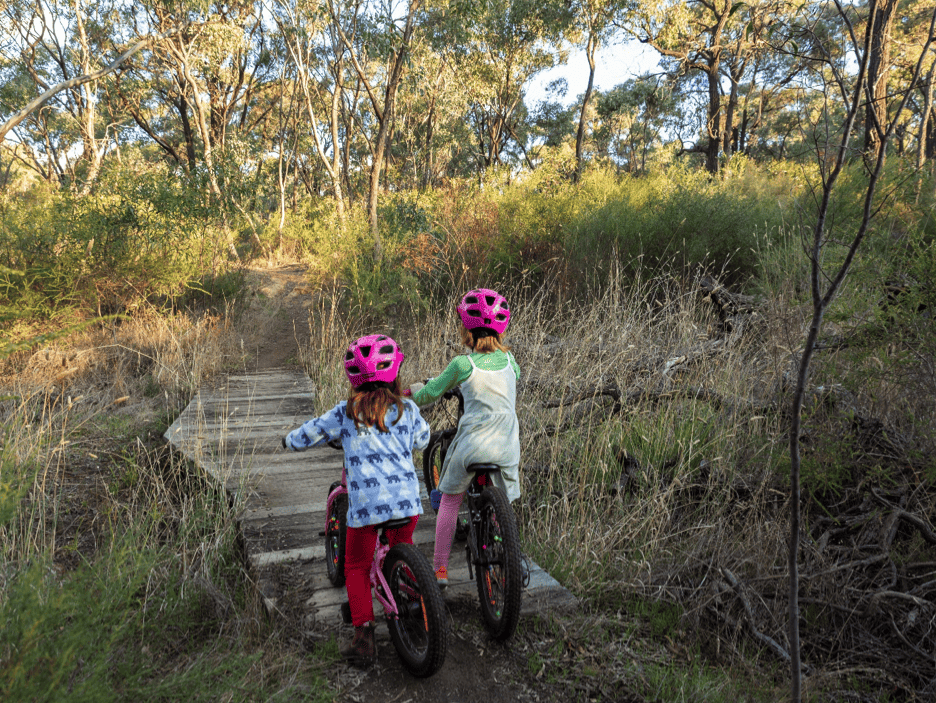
(432, 454)
(428, 614)
(335, 544)
(500, 625)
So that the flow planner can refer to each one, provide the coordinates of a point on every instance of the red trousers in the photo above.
(360, 544)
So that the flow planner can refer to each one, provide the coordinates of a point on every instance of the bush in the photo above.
(140, 235)
(550, 230)
(680, 219)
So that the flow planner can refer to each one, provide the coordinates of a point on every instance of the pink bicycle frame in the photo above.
(377, 580)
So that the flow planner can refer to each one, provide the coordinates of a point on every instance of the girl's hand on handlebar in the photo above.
(415, 388)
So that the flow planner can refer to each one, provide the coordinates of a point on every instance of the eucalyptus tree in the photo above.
(377, 37)
(919, 125)
(691, 34)
(317, 58)
(57, 50)
(632, 119)
(827, 273)
(218, 74)
(592, 25)
(716, 41)
(496, 48)
(430, 131)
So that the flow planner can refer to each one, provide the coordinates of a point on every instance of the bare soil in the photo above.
(279, 299)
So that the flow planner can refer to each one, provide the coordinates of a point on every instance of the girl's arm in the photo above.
(458, 371)
(421, 430)
(319, 430)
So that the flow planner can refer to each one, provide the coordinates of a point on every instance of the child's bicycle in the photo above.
(404, 583)
(493, 539)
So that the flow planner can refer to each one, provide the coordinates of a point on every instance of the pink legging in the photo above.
(446, 521)
(360, 544)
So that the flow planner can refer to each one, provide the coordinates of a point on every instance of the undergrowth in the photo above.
(121, 572)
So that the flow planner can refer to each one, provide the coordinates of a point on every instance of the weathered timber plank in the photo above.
(316, 549)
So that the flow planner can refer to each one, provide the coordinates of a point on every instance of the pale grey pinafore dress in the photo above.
(488, 432)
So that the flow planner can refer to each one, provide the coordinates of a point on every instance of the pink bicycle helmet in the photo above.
(483, 307)
(375, 357)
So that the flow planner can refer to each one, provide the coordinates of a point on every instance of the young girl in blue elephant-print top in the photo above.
(378, 430)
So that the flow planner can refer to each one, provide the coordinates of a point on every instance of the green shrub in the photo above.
(552, 230)
(140, 234)
(678, 219)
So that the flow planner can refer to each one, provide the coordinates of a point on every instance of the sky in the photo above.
(614, 64)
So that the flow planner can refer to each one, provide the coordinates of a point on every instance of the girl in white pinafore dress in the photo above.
(488, 431)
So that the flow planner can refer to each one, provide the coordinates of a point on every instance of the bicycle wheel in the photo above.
(433, 459)
(418, 631)
(499, 574)
(433, 456)
(335, 534)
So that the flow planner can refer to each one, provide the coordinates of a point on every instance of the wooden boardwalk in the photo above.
(233, 432)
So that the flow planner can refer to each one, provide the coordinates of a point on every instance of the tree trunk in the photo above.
(590, 48)
(882, 21)
(729, 132)
(85, 98)
(927, 129)
(713, 123)
(192, 156)
(335, 121)
(930, 136)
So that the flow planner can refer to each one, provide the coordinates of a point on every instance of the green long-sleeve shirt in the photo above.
(459, 370)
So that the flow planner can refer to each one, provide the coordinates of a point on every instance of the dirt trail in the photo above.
(279, 317)
(476, 670)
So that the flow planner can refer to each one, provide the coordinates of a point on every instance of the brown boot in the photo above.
(361, 650)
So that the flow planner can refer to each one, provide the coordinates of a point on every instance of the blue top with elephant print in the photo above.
(382, 482)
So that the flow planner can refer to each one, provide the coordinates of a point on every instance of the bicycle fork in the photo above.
(381, 587)
(473, 548)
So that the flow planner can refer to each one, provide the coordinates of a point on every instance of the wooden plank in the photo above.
(233, 432)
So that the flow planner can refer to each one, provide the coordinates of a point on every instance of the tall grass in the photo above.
(652, 456)
(121, 576)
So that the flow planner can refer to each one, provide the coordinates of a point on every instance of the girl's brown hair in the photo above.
(485, 345)
(369, 407)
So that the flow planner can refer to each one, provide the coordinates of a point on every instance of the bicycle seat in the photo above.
(489, 468)
(393, 524)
